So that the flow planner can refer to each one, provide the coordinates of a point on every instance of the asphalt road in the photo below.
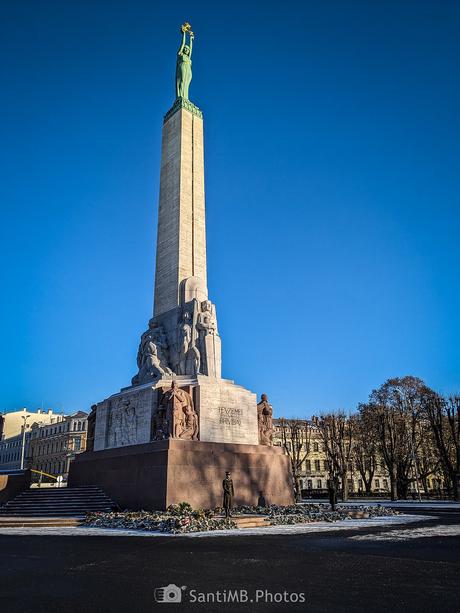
(334, 572)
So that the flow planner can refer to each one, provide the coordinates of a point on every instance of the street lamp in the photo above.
(23, 447)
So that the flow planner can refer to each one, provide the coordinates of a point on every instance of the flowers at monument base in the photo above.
(312, 512)
(182, 518)
(177, 521)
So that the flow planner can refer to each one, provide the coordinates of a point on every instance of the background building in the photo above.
(11, 451)
(11, 434)
(52, 447)
(11, 423)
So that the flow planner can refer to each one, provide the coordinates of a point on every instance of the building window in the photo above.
(308, 465)
(385, 484)
(309, 484)
(317, 465)
(377, 483)
(319, 484)
(77, 443)
(315, 447)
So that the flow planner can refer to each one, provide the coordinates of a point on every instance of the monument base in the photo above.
(154, 475)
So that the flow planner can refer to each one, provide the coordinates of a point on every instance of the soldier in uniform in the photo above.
(332, 490)
(227, 486)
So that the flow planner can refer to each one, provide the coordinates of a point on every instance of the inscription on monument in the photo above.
(228, 413)
(230, 416)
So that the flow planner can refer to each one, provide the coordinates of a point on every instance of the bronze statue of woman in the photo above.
(184, 63)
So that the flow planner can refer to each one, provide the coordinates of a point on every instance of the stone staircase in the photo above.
(65, 505)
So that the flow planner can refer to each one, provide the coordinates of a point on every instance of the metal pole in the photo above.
(23, 447)
(416, 474)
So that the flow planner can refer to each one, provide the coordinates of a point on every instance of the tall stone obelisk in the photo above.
(180, 423)
(181, 241)
(182, 339)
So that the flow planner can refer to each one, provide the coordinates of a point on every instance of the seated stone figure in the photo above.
(151, 355)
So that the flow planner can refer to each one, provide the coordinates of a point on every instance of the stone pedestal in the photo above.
(227, 413)
(160, 473)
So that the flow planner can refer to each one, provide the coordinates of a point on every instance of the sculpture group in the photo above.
(176, 416)
(189, 347)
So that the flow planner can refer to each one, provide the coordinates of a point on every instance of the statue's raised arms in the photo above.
(184, 62)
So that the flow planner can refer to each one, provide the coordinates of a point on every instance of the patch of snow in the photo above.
(414, 533)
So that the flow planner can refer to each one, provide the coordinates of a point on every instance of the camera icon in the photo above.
(169, 593)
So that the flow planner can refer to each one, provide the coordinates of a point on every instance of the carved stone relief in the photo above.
(122, 423)
(175, 416)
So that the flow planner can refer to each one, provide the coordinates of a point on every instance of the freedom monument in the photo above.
(173, 434)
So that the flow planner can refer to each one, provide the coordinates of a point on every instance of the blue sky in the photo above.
(332, 185)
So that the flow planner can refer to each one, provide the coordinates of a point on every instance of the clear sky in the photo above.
(332, 182)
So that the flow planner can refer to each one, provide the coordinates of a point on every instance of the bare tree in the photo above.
(364, 453)
(444, 417)
(396, 411)
(296, 438)
(337, 434)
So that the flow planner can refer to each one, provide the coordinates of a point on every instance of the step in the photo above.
(105, 505)
(61, 492)
(45, 522)
(249, 521)
(40, 515)
(66, 501)
(49, 513)
(58, 493)
(82, 507)
(58, 502)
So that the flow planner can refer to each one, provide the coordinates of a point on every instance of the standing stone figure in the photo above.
(184, 63)
(265, 421)
(193, 358)
(227, 487)
(128, 423)
(178, 411)
(184, 333)
(115, 426)
(208, 339)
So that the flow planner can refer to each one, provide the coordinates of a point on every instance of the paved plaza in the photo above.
(359, 566)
